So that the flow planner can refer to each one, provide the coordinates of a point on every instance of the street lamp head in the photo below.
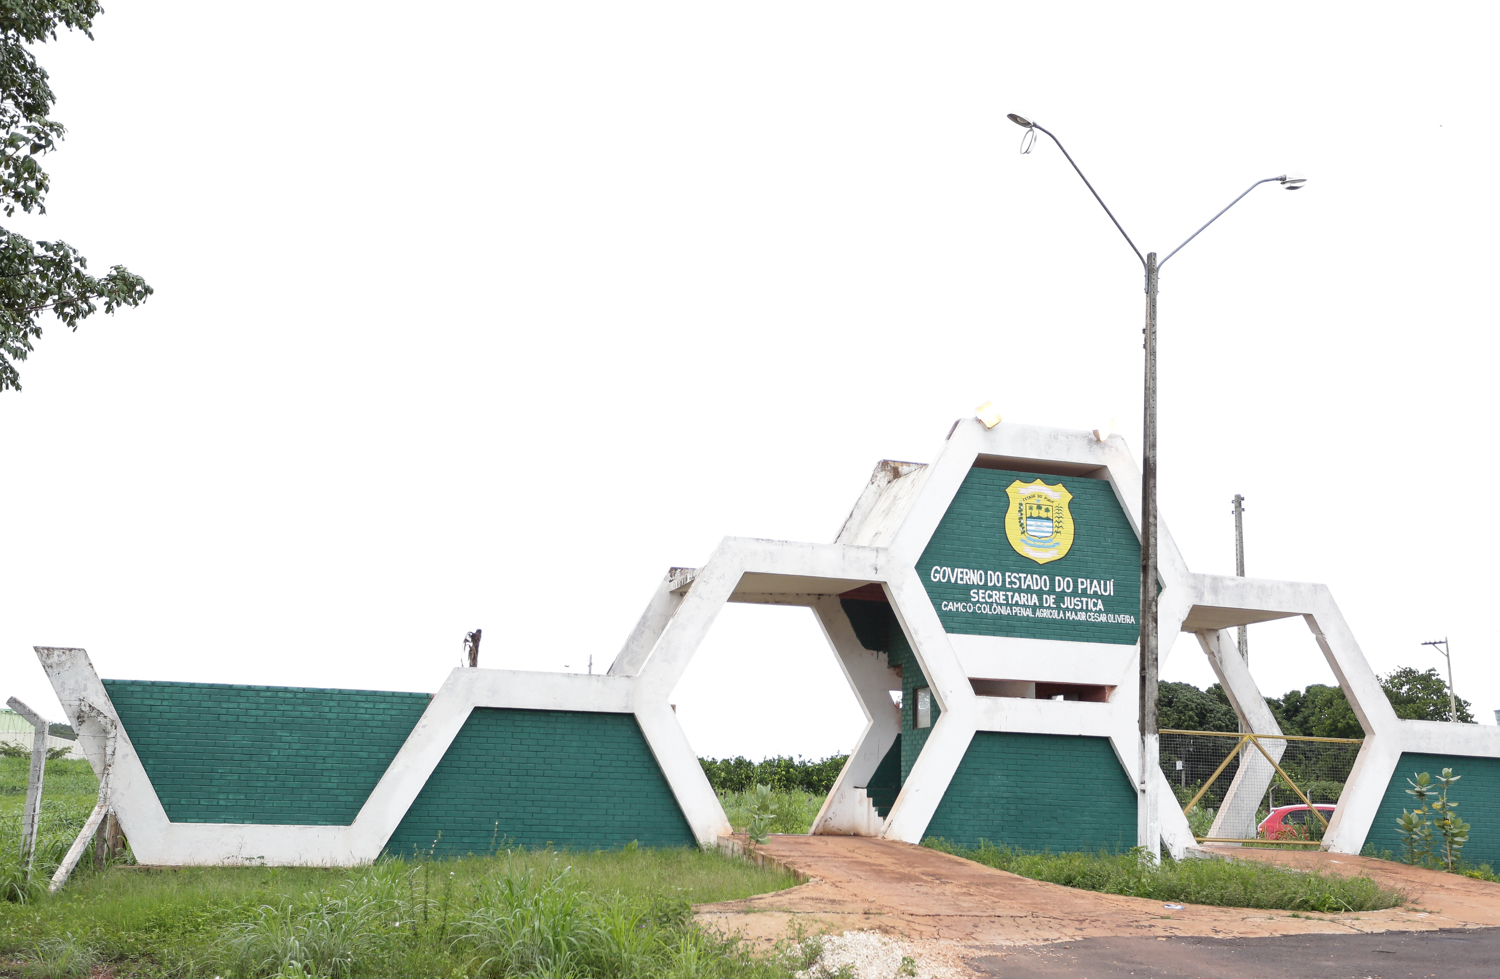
(1019, 120)
(1293, 180)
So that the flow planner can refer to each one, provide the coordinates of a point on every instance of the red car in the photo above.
(1288, 821)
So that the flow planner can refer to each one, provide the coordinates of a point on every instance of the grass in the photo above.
(795, 810)
(619, 914)
(1230, 883)
(622, 914)
(69, 792)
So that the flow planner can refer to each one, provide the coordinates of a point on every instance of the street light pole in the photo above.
(1149, 822)
(1452, 700)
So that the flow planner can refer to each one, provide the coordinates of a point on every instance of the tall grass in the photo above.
(69, 792)
(623, 913)
(795, 810)
(1230, 883)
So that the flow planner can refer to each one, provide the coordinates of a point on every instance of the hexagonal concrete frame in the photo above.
(879, 545)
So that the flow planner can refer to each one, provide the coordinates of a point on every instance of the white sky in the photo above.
(484, 319)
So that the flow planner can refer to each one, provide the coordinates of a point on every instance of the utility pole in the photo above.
(1149, 828)
(1239, 567)
(1452, 700)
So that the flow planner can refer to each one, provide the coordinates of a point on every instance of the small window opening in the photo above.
(924, 707)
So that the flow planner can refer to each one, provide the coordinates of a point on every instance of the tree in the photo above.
(1320, 711)
(1421, 696)
(37, 277)
(1183, 707)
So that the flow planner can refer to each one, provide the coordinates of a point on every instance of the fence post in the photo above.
(31, 816)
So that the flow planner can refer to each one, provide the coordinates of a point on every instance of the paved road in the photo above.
(1446, 954)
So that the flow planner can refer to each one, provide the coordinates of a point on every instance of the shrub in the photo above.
(782, 774)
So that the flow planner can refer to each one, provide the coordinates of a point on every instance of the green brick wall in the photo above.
(876, 627)
(533, 777)
(885, 782)
(1038, 792)
(972, 535)
(1477, 794)
(220, 753)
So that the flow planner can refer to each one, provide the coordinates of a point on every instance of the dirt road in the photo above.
(916, 893)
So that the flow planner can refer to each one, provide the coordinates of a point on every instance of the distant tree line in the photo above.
(1319, 711)
(740, 774)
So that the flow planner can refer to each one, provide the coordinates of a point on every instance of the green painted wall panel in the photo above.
(885, 782)
(877, 628)
(222, 753)
(1477, 794)
(971, 539)
(1038, 792)
(533, 777)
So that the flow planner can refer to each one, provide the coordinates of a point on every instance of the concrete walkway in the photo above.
(915, 893)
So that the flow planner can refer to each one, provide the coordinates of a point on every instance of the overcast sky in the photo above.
(485, 318)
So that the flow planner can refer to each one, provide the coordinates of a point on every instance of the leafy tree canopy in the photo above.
(1184, 707)
(1421, 696)
(1319, 711)
(37, 277)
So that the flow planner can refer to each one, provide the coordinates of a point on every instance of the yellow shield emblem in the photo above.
(1038, 524)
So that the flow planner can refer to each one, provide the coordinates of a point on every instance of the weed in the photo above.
(763, 811)
(64, 957)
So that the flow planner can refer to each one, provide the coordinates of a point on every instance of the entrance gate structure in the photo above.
(997, 588)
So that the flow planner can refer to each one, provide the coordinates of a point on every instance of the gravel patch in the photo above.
(871, 955)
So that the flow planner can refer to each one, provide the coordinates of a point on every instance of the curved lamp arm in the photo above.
(1032, 125)
(1279, 179)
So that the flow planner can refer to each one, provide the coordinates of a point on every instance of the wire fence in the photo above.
(1228, 783)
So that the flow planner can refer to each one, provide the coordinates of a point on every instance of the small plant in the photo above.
(762, 812)
(1417, 830)
(1455, 831)
(908, 966)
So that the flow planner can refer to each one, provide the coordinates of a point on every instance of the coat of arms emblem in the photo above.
(1038, 524)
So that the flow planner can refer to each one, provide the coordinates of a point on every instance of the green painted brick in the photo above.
(877, 629)
(532, 777)
(972, 535)
(1010, 789)
(233, 753)
(1477, 793)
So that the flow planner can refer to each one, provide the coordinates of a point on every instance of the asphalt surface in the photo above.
(1448, 953)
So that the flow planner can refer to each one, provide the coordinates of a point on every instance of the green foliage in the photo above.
(622, 913)
(1228, 883)
(740, 774)
(1416, 829)
(69, 793)
(763, 810)
(41, 276)
(1320, 711)
(64, 957)
(794, 811)
(1422, 696)
(1183, 707)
